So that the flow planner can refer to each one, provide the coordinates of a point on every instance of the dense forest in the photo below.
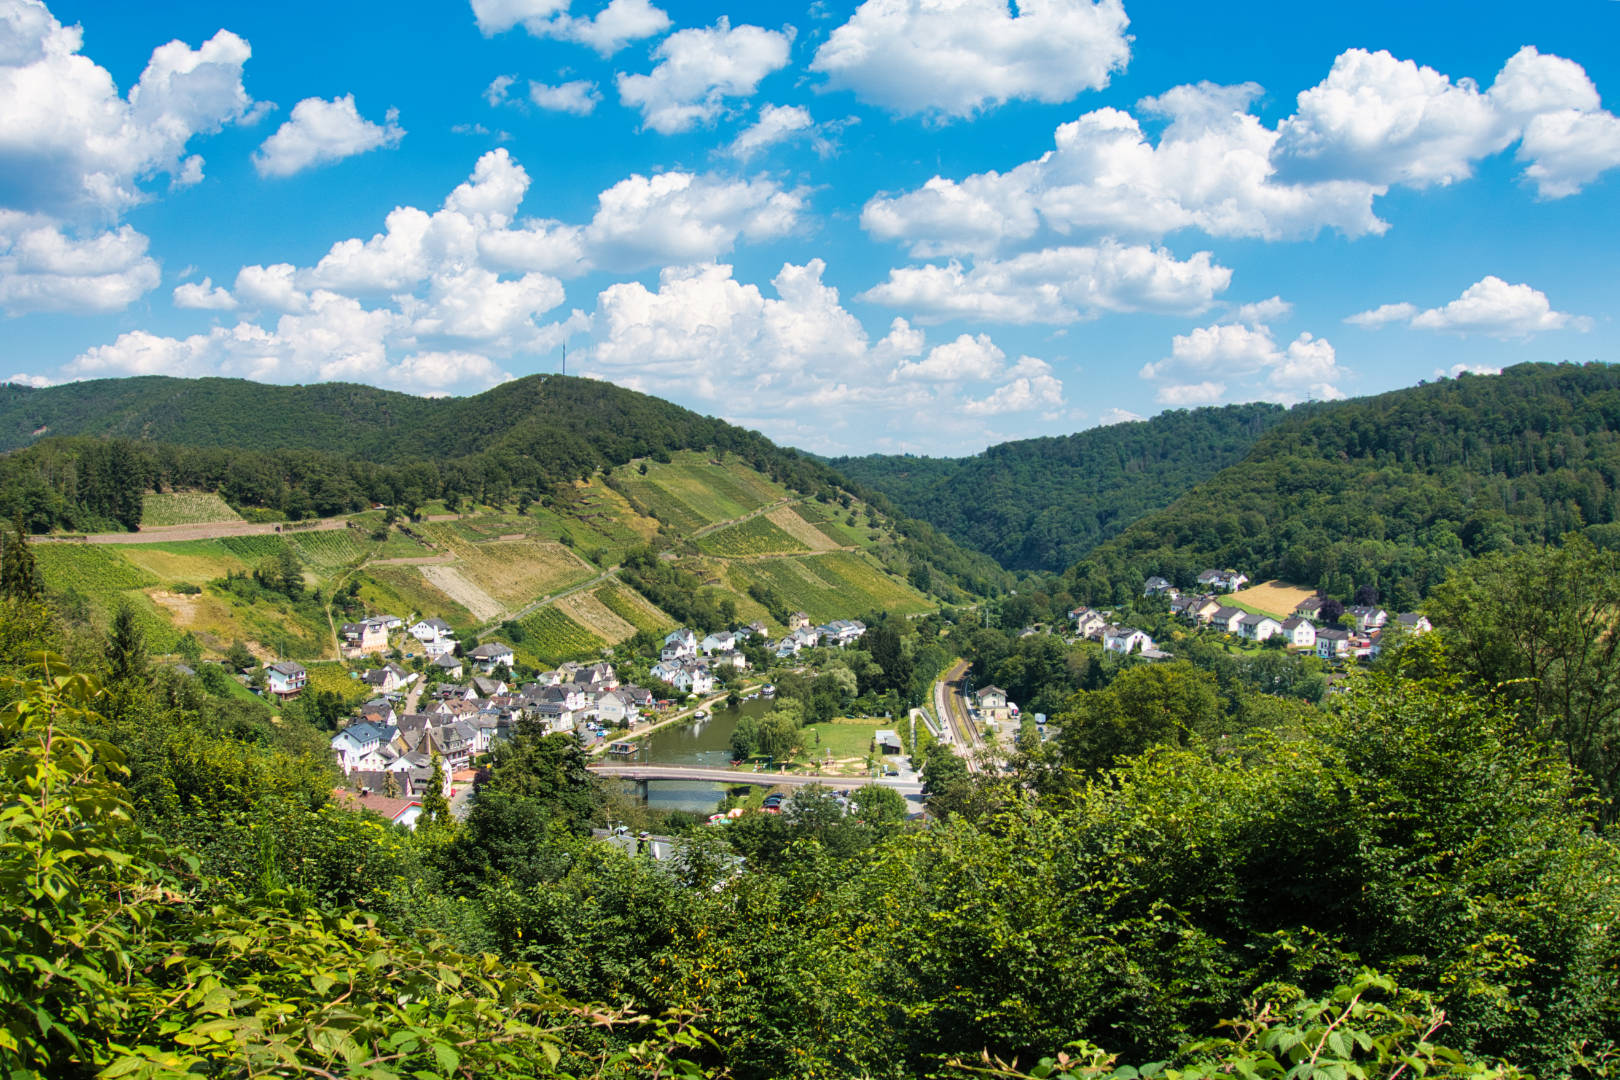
(1392, 492)
(1041, 504)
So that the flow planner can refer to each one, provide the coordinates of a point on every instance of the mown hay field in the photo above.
(1275, 598)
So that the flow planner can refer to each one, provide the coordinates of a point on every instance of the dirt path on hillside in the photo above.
(160, 534)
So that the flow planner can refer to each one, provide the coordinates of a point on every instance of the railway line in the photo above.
(952, 708)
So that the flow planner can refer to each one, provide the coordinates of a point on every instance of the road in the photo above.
(738, 776)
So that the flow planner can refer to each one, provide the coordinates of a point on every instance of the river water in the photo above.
(702, 742)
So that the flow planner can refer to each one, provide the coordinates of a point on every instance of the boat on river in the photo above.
(623, 749)
(769, 690)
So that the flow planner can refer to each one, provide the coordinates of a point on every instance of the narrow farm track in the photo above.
(219, 530)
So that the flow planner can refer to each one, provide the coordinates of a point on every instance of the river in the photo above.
(700, 742)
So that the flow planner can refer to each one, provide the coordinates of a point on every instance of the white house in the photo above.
(388, 678)
(1223, 580)
(1153, 586)
(679, 645)
(666, 670)
(286, 679)
(356, 741)
(1124, 639)
(693, 680)
(1413, 623)
(614, 708)
(1367, 617)
(719, 641)
(841, 632)
(1258, 627)
(430, 630)
(491, 655)
(447, 665)
(1301, 633)
(1225, 619)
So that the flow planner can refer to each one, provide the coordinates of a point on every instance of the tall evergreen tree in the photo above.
(127, 660)
(19, 576)
(435, 807)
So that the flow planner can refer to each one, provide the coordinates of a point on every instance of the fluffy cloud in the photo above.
(75, 155)
(321, 132)
(1389, 121)
(776, 123)
(1489, 306)
(608, 31)
(1373, 123)
(698, 69)
(798, 364)
(953, 58)
(682, 217)
(70, 146)
(1042, 392)
(1057, 285)
(44, 269)
(578, 97)
(203, 296)
(1382, 315)
(1306, 366)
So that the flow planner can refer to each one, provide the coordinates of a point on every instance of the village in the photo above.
(1318, 625)
(425, 729)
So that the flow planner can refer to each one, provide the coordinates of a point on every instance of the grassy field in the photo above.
(185, 508)
(1274, 598)
(756, 536)
(335, 677)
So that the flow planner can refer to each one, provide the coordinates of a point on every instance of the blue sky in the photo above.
(899, 225)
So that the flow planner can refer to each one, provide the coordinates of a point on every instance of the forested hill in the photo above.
(1394, 490)
(80, 454)
(1041, 504)
(552, 418)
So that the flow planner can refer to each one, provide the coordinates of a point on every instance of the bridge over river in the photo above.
(643, 774)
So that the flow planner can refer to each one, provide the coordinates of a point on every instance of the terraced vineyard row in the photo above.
(633, 608)
(756, 536)
(832, 586)
(550, 636)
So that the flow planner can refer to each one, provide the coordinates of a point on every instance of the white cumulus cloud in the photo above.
(321, 132)
(71, 146)
(43, 268)
(953, 58)
(1375, 122)
(576, 96)
(1490, 306)
(679, 217)
(698, 69)
(608, 31)
(203, 296)
(776, 123)
(1204, 362)
(1057, 285)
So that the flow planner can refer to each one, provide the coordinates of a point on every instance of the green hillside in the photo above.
(1394, 490)
(700, 535)
(1040, 504)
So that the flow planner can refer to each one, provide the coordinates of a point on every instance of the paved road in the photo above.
(739, 776)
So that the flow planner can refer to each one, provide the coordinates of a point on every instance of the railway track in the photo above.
(953, 708)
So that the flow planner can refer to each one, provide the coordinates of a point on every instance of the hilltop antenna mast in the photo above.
(565, 358)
